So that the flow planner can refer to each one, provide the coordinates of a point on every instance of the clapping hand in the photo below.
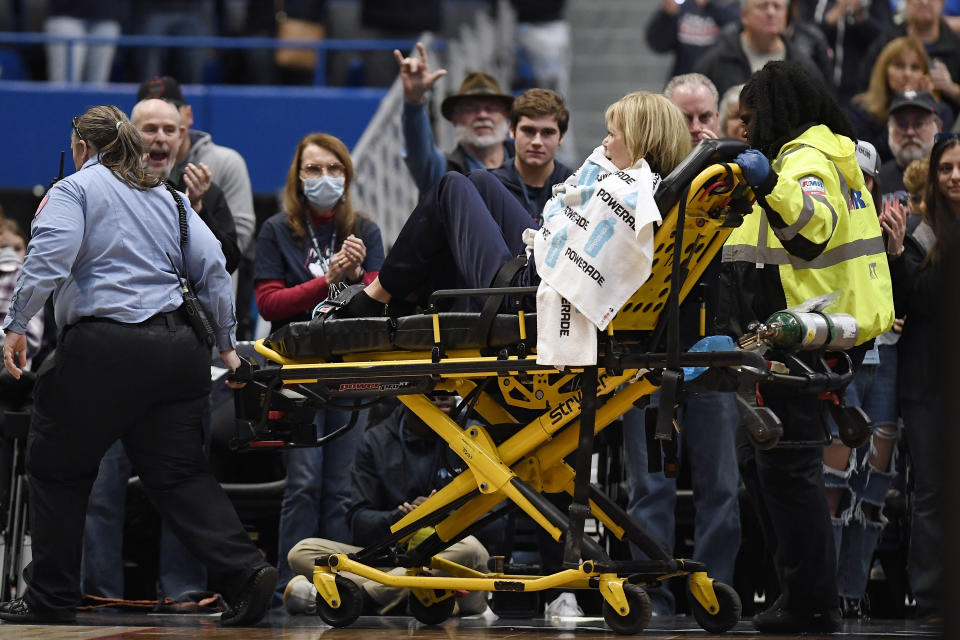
(196, 177)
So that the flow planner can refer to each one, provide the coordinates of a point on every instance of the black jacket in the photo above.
(457, 159)
(215, 212)
(532, 201)
(917, 291)
(727, 65)
(393, 465)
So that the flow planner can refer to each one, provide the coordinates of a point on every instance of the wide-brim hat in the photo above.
(477, 84)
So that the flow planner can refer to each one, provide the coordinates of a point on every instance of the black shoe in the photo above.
(20, 612)
(855, 608)
(253, 601)
(778, 619)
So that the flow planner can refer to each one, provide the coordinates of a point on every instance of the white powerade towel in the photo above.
(593, 252)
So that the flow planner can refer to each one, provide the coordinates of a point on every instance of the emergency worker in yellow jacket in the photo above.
(814, 231)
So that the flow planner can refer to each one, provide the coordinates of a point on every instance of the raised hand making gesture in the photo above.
(415, 74)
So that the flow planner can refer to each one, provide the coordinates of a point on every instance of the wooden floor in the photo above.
(280, 626)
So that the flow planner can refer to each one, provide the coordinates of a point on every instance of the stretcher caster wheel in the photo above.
(351, 604)
(637, 619)
(435, 613)
(724, 619)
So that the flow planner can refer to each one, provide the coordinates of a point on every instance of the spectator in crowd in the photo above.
(850, 26)
(543, 46)
(802, 169)
(857, 480)
(807, 41)
(915, 180)
(13, 249)
(918, 286)
(318, 240)
(689, 29)
(697, 98)
(708, 420)
(159, 122)
(730, 123)
(479, 112)
(738, 53)
(538, 124)
(227, 167)
(399, 464)
(924, 22)
(115, 288)
(901, 66)
(181, 576)
(911, 127)
(88, 63)
(174, 18)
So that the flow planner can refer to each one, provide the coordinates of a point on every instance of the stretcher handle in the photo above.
(490, 291)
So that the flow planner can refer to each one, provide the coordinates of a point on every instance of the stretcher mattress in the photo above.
(329, 338)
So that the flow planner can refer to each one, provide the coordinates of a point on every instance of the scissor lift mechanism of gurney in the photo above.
(464, 354)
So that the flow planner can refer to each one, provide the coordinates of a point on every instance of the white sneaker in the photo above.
(300, 596)
(564, 606)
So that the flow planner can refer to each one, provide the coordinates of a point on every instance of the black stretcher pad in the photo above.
(330, 338)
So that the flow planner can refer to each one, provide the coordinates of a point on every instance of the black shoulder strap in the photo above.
(184, 230)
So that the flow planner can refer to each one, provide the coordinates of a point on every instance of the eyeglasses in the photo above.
(334, 170)
(903, 124)
(945, 137)
(76, 129)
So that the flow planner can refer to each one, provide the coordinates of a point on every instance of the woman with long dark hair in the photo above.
(814, 231)
(919, 286)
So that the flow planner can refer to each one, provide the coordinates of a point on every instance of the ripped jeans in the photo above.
(859, 521)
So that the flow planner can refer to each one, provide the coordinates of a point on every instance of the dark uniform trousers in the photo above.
(147, 385)
(786, 486)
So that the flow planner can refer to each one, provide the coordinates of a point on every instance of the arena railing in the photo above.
(320, 47)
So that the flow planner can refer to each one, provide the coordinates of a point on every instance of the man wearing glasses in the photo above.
(911, 126)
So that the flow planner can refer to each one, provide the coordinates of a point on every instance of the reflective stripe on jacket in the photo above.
(819, 226)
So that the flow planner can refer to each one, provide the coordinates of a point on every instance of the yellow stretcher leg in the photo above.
(701, 587)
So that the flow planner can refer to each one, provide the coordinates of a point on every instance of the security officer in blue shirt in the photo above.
(128, 366)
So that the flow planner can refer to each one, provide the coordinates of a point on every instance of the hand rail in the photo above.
(321, 47)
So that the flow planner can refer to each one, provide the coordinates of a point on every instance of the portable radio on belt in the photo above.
(191, 306)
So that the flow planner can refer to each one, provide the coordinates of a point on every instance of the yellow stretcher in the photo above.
(488, 361)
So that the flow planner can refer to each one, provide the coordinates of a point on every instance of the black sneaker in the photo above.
(855, 608)
(778, 619)
(253, 600)
(19, 611)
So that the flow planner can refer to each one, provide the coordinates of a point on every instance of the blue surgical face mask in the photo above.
(323, 193)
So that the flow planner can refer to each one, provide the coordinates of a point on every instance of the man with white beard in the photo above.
(911, 125)
(479, 113)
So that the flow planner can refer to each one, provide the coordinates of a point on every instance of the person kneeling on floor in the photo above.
(399, 464)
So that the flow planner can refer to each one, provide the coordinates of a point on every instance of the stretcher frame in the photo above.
(576, 404)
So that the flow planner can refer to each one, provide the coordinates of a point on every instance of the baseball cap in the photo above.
(920, 99)
(868, 159)
(162, 87)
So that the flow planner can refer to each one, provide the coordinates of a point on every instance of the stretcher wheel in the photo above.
(431, 614)
(641, 609)
(351, 604)
(728, 615)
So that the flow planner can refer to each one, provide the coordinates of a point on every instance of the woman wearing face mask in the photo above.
(318, 240)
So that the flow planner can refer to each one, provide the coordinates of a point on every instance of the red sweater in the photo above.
(277, 301)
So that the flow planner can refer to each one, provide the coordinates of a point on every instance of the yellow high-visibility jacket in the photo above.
(815, 223)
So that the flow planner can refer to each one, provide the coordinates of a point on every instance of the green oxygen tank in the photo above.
(803, 331)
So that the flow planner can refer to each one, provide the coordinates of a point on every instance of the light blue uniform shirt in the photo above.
(100, 247)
